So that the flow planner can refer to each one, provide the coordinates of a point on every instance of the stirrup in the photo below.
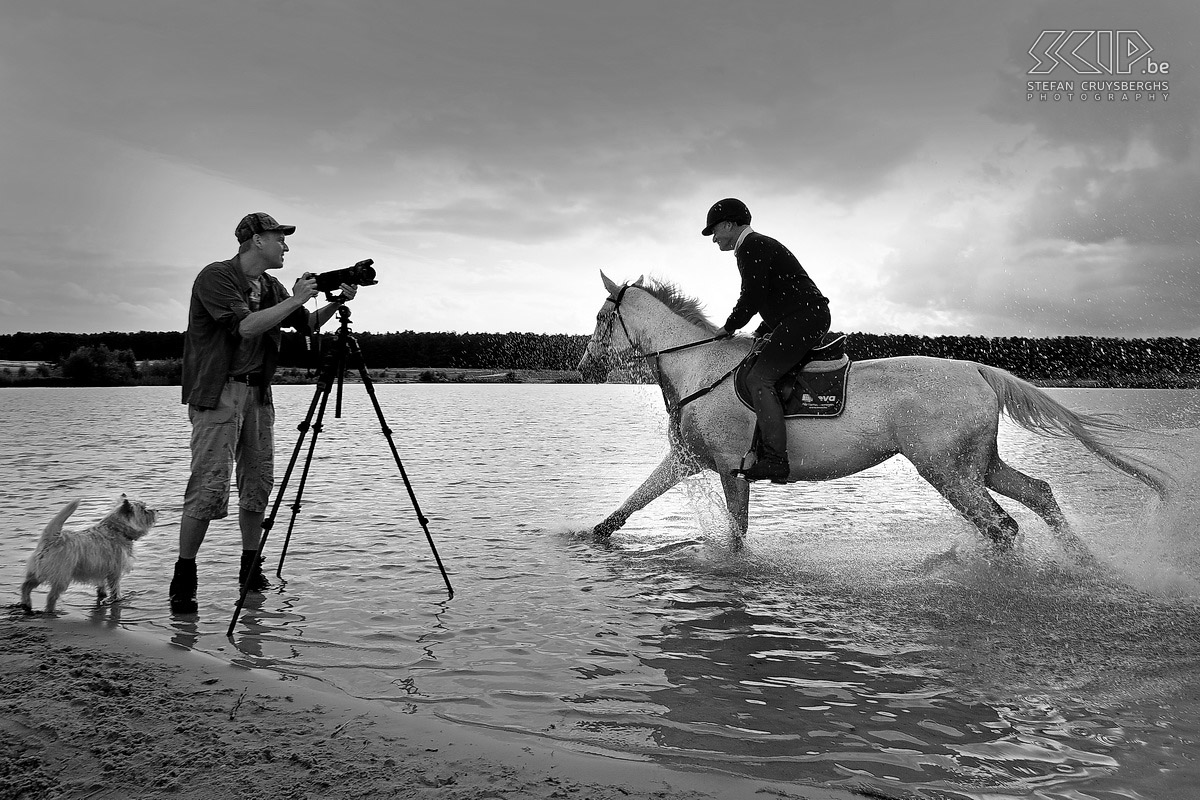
(774, 470)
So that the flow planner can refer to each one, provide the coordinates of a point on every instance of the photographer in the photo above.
(230, 352)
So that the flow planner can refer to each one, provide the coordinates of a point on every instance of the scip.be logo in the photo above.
(1094, 53)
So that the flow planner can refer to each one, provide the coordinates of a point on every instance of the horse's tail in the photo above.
(1034, 410)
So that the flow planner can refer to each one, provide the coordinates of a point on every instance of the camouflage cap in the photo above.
(258, 222)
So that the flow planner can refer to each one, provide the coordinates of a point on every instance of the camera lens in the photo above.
(361, 274)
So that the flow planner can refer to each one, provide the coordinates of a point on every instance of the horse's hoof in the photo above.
(1002, 545)
(937, 560)
(605, 530)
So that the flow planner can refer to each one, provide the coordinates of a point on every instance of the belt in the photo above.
(250, 379)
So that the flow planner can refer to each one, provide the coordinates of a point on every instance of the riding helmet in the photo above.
(730, 209)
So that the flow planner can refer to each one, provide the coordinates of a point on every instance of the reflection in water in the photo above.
(786, 676)
(866, 635)
(186, 633)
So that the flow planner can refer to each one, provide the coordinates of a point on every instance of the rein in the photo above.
(696, 395)
(677, 348)
(672, 411)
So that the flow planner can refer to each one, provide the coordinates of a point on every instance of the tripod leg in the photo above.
(320, 398)
(387, 432)
(296, 504)
(334, 368)
(343, 338)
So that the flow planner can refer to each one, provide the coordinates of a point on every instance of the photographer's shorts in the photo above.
(238, 430)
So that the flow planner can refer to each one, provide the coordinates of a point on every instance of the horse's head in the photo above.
(610, 342)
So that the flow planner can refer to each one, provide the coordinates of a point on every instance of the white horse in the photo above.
(940, 414)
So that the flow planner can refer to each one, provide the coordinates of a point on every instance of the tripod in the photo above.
(345, 351)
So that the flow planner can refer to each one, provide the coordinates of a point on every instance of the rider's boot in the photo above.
(772, 463)
(770, 468)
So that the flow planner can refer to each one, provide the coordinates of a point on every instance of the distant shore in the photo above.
(27, 373)
(480, 376)
(154, 357)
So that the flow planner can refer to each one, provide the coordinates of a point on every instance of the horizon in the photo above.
(551, 333)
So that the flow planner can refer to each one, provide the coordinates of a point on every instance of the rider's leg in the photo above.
(767, 405)
(790, 341)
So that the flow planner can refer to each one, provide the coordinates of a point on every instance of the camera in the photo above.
(361, 274)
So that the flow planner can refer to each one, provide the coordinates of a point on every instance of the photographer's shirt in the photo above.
(250, 352)
(221, 299)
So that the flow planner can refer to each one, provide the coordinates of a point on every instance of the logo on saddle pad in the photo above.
(816, 387)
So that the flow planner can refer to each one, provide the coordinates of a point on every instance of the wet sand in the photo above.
(89, 710)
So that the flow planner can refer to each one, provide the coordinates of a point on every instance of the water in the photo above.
(863, 637)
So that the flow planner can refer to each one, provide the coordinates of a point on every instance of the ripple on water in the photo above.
(863, 635)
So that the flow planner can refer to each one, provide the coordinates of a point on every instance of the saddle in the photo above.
(816, 387)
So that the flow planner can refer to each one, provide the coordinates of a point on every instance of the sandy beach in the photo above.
(89, 710)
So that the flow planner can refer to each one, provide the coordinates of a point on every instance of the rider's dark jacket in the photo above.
(774, 285)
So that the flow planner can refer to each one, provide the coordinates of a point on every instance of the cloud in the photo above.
(1048, 263)
(1085, 224)
(616, 100)
(1094, 204)
(529, 143)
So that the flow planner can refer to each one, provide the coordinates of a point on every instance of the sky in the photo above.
(493, 156)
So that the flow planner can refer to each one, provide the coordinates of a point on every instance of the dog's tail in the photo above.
(54, 529)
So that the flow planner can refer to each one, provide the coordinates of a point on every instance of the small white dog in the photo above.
(98, 555)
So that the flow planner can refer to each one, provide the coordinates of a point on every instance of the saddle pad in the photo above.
(806, 392)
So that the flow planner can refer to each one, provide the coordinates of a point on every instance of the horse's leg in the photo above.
(671, 471)
(956, 459)
(972, 500)
(957, 471)
(1036, 494)
(737, 500)
(1030, 492)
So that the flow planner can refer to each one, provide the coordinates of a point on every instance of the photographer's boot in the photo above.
(183, 587)
(251, 576)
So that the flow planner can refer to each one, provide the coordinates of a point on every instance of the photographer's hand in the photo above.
(305, 288)
(256, 323)
(322, 314)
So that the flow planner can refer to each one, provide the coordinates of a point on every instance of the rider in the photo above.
(793, 311)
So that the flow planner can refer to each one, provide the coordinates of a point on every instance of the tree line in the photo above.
(1169, 361)
(404, 349)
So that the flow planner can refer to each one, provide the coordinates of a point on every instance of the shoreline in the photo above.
(561, 378)
(89, 709)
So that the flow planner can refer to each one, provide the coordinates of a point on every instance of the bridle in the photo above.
(637, 350)
(672, 410)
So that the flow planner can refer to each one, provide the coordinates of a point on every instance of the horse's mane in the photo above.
(683, 305)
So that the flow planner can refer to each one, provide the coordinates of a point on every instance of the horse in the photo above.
(941, 414)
